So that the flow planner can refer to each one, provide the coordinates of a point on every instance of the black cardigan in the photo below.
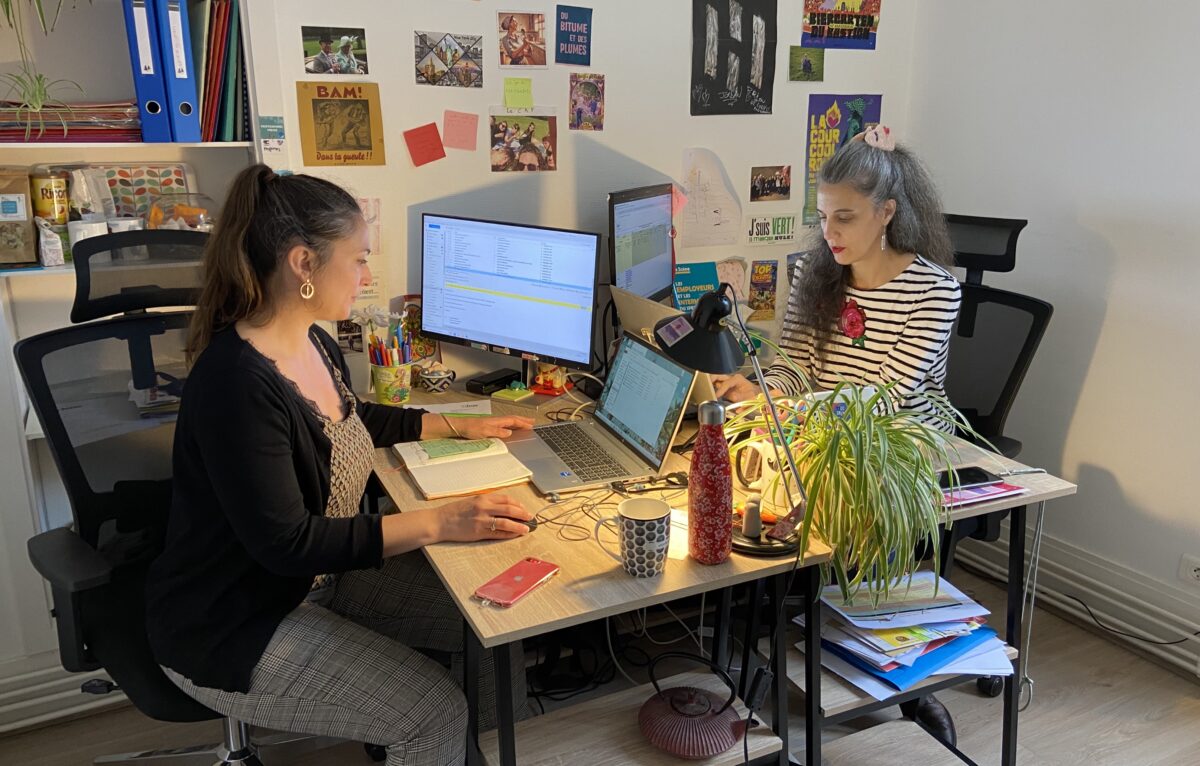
(247, 531)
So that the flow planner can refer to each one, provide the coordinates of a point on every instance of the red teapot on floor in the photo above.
(689, 722)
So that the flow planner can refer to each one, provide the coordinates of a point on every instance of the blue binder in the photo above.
(179, 74)
(142, 32)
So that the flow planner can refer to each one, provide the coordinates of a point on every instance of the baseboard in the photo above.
(36, 691)
(1121, 597)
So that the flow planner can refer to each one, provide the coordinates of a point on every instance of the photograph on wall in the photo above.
(340, 124)
(587, 102)
(733, 56)
(522, 39)
(770, 183)
(334, 50)
(850, 24)
(573, 35)
(527, 142)
(832, 122)
(448, 59)
(771, 229)
(349, 335)
(763, 278)
(806, 64)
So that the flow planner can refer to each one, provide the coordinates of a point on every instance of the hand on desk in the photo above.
(482, 517)
(499, 426)
(734, 388)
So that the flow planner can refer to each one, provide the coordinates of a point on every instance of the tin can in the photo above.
(50, 196)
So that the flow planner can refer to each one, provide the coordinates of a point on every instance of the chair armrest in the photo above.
(67, 562)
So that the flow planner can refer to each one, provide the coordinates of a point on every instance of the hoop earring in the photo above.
(307, 291)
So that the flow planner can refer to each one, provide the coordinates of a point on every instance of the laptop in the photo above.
(636, 420)
(639, 315)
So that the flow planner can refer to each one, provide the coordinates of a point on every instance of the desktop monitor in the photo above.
(640, 257)
(527, 291)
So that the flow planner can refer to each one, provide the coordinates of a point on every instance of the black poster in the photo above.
(733, 56)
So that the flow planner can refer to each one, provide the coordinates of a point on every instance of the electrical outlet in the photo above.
(1189, 569)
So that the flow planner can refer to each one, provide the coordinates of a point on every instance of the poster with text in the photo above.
(573, 44)
(340, 124)
(522, 39)
(771, 229)
(832, 122)
(849, 24)
(448, 59)
(733, 56)
(693, 280)
(763, 280)
(523, 141)
(586, 101)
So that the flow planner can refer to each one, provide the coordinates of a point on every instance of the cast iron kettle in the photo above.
(688, 722)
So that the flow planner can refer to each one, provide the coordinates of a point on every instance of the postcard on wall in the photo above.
(832, 122)
(849, 24)
(340, 123)
(771, 229)
(522, 39)
(693, 280)
(370, 207)
(732, 271)
(806, 64)
(334, 50)
(586, 101)
(271, 136)
(763, 280)
(523, 141)
(733, 56)
(573, 41)
(448, 59)
(713, 215)
(770, 183)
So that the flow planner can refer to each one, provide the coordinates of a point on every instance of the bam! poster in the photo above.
(840, 24)
(340, 124)
(764, 276)
(573, 39)
(771, 229)
(733, 56)
(832, 122)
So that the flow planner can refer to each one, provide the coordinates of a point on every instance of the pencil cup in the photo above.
(392, 383)
(644, 527)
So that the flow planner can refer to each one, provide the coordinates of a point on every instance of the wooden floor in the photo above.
(1094, 703)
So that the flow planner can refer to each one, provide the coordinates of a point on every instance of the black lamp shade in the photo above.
(702, 342)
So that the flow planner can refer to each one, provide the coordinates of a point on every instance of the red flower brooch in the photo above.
(853, 324)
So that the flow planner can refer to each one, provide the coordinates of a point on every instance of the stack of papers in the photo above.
(153, 402)
(914, 634)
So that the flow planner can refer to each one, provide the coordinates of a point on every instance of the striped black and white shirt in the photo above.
(908, 323)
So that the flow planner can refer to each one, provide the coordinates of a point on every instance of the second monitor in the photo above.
(640, 253)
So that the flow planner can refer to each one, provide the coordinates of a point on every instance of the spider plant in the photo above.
(870, 473)
(36, 95)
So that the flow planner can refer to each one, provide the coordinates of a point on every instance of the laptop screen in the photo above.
(643, 399)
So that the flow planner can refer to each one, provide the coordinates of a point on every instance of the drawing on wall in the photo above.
(713, 215)
(770, 183)
(448, 59)
(586, 101)
(852, 24)
(522, 39)
(340, 124)
(526, 142)
(832, 122)
(733, 56)
(334, 50)
(806, 64)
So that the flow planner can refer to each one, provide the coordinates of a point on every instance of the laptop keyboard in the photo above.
(583, 456)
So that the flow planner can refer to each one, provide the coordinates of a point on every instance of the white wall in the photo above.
(1080, 115)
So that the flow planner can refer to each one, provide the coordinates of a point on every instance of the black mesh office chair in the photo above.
(104, 391)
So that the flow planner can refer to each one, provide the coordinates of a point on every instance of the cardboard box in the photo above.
(18, 235)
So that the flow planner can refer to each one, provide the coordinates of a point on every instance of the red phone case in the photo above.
(508, 587)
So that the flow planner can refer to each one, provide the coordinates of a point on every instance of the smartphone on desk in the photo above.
(514, 583)
(969, 476)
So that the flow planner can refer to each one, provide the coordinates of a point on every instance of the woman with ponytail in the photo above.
(274, 601)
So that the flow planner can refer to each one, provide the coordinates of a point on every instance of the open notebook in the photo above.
(448, 467)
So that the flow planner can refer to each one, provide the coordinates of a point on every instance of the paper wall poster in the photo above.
(693, 280)
(573, 35)
(334, 50)
(518, 92)
(424, 144)
(832, 122)
(733, 56)
(524, 141)
(460, 130)
(586, 101)
(370, 207)
(806, 64)
(840, 24)
(733, 272)
(340, 124)
(522, 39)
(271, 136)
(713, 215)
(448, 59)
(763, 278)
(793, 261)
(771, 229)
(770, 183)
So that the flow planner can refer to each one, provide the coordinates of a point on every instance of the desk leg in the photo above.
(813, 723)
(720, 628)
(1014, 620)
(506, 725)
(471, 653)
(779, 682)
(750, 639)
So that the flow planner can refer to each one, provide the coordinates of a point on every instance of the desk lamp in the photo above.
(705, 342)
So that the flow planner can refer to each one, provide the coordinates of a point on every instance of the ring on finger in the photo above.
(492, 526)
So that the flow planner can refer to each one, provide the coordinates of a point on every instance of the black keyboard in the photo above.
(581, 453)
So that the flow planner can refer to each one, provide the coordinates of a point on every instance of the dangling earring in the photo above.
(883, 241)
(307, 290)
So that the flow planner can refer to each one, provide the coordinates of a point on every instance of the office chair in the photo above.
(103, 390)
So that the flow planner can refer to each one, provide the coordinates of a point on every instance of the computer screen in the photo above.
(511, 289)
(640, 240)
(643, 396)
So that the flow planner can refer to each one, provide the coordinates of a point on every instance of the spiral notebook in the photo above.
(450, 467)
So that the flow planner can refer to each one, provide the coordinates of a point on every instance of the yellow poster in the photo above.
(340, 123)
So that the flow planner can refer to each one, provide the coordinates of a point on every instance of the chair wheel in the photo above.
(990, 686)
(377, 753)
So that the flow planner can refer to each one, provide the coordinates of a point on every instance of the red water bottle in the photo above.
(710, 490)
